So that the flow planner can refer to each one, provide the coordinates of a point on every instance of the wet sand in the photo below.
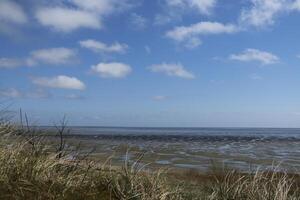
(193, 152)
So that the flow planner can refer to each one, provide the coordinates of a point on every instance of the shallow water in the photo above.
(195, 148)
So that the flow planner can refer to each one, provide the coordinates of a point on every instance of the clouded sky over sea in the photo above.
(152, 62)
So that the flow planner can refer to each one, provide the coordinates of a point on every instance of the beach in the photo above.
(191, 148)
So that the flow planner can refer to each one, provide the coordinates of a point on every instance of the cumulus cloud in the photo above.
(249, 55)
(172, 69)
(10, 63)
(190, 34)
(66, 19)
(68, 16)
(11, 12)
(61, 81)
(10, 93)
(111, 70)
(101, 47)
(54, 56)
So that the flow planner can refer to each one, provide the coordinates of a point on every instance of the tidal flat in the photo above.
(235, 150)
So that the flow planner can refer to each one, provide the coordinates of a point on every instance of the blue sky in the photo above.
(152, 63)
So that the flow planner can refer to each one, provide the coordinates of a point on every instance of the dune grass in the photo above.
(30, 168)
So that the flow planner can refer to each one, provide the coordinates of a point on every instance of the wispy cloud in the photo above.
(10, 93)
(172, 69)
(201, 6)
(38, 94)
(138, 22)
(190, 34)
(73, 97)
(175, 9)
(111, 70)
(10, 63)
(67, 20)
(54, 56)
(101, 47)
(61, 81)
(75, 14)
(12, 12)
(263, 13)
(249, 55)
(32, 94)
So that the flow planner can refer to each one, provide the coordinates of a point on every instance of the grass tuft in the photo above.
(31, 168)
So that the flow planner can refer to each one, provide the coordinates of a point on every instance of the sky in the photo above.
(161, 63)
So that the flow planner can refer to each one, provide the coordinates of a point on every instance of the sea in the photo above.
(200, 148)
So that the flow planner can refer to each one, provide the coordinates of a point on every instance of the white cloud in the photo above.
(99, 6)
(103, 7)
(11, 12)
(202, 28)
(175, 9)
(263, 13)
(101, 47)
(15, 93)
(159, 98)
(201, 6)
(11, 93)
(10, 63)
(296, 5)
(53, 56)
(190, 34)
(61, 81)
(137, 21)
(67, 20)
(192, 43)
(111, 70)
(249, 55)
(172, 69)
(70, 15)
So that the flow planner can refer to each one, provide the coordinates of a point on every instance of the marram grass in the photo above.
(29, 170)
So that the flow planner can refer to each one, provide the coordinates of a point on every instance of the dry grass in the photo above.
(36, 173)
(259, 186)
(30, 170)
